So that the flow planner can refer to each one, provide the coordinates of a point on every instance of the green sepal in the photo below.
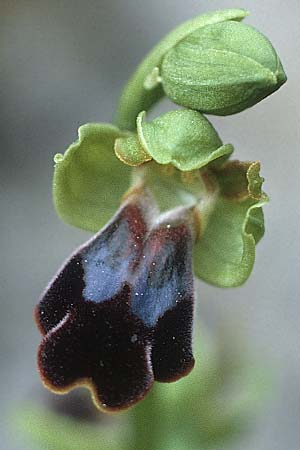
(225, 252)
(221, 69)
(182, 138)
(144, 89)
(89, 180)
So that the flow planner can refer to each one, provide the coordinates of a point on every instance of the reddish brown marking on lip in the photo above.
(209, 181)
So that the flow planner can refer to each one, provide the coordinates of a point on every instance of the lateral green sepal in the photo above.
(89, 180)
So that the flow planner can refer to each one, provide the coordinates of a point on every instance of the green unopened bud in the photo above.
(221, 69)
(212, 63)
(144, 87)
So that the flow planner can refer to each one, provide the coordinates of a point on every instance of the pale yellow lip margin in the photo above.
(87, 383)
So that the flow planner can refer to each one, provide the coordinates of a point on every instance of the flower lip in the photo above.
(94, 347)
(99, 333)
(164, 297)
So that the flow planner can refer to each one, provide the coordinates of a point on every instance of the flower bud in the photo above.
(144, 88)
(221, 69)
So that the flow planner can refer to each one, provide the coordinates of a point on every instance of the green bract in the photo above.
(184, 138)
(88, 179)
(221, 69)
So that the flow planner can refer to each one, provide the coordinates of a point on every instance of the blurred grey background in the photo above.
(63, 63)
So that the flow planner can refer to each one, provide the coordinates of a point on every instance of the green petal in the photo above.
(221, 69)
(183, 138)
(240, 180)
(130, 151)
(225, 253)
(143, 88)
(89, 180)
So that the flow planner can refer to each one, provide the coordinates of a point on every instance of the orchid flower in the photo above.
(166, 203)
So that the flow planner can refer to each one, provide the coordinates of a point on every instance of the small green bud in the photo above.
(221, 69)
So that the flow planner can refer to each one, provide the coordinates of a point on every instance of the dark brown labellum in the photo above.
(118, 315)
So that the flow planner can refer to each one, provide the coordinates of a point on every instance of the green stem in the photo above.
(146, 418)
(135, 97)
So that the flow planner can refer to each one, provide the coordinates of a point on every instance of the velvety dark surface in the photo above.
(165, 299)
(119, 313)
(118, 247)
(105, 344)
(172, 356)
(61, 295)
